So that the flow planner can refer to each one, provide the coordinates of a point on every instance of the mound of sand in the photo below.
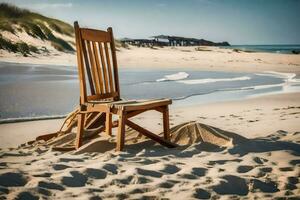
(185, 134)
(192, 132)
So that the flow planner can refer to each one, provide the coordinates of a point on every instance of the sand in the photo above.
(209, 58)
(242, 149)
(260, 159)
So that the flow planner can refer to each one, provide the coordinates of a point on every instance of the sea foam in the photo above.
(289, 77)
(174, 77)
(213, 80)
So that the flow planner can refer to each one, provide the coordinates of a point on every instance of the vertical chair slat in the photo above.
(100, 81)
(93, 66)
(115, 64)
(104, 68)
(87, 67)
(109, 68)
(82, 84)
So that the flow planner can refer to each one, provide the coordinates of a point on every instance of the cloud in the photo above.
(51, 5)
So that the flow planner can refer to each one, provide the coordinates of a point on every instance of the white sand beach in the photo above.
(230, 68)
(208, 58)
(260, 161)
(256, 157)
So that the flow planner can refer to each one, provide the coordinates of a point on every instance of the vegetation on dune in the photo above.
(21, 47)
(120, 44)
(14, 19)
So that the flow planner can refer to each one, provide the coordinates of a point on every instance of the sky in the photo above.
(235, 21)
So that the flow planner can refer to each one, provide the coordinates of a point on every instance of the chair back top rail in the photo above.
(97, 63)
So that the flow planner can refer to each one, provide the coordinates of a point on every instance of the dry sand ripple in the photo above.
(265, 167)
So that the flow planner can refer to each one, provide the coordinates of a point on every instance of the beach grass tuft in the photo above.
(13, 19)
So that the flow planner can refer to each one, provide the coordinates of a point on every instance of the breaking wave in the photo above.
(174, 77)
(213, 80)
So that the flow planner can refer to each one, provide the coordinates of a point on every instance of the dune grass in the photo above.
(20, 47)
(14, 19)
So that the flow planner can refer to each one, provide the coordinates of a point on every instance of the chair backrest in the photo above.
(96, 57)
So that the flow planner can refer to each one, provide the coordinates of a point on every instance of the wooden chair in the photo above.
(97, 63)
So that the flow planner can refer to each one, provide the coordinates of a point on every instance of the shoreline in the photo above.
(177, 106)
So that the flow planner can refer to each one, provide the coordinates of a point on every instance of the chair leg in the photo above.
(80, 129)
(108, 123)
(121, 132)
(166, 123)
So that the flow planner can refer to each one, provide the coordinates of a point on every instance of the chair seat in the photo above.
(129, 105)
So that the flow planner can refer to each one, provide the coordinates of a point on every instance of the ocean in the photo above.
(288, 49)
(30, 91)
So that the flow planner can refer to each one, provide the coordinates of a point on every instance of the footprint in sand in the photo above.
(130, 180)
(60, 167)
(187, 176)
(50, 185)
(295, 162)
(266, 169)
(286, 169)
(137, 191)
(76, 180)
(292, 183)
(259, 160)
(166, 184)
(3, 165)
(71, 160)
(201, 194)
(25, 195)
(111, 168)
(199, 171)
(267, 187)
(42, 174)
(229, 186)
(170, 169)
(222, 162)
(244, 168)
(150, 173)
(12, 179)
(95, 173)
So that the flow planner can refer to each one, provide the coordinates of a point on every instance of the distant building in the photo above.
(166, 40)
